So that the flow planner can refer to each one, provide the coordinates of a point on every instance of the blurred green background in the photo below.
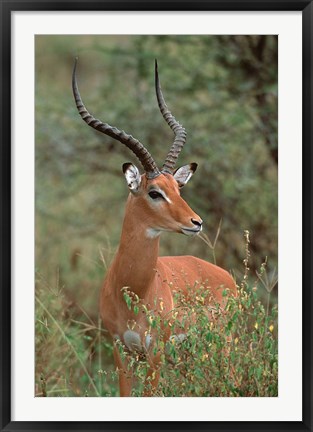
(223, 89)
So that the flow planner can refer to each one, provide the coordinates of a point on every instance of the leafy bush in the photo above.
(224, 352)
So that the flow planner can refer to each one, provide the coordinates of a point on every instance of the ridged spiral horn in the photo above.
(133, 144)
(177, 128)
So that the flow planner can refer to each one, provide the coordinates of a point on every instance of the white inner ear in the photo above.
(183, 175)
(133, 177)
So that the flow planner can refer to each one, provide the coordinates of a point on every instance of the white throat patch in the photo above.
(152, 233)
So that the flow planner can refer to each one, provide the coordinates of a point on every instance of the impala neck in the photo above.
(135, 262)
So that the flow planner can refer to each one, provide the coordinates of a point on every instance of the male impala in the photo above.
(154, 205)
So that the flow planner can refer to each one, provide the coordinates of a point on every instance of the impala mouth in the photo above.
(191, 231)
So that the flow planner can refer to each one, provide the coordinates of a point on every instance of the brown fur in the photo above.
(137, 265)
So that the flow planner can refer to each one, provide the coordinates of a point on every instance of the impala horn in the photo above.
(177, 128)
(133, 144)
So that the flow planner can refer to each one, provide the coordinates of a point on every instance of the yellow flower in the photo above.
(271, 328)
(256, 325)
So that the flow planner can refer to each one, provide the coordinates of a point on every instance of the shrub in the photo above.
(229, 351)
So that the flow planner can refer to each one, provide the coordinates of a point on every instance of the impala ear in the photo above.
(184, 173)
(132, 176)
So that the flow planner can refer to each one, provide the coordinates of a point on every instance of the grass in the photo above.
(225, 353)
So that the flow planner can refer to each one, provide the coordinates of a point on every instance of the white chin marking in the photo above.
(190, 232)
(152, 233)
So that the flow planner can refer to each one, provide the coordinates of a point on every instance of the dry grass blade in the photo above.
(69, 344)
(217, 233)
(269, 282)
(88, 327)
(204, 237)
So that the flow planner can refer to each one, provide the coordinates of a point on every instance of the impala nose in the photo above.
(196, 222)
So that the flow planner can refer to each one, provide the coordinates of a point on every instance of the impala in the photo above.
(154, 205)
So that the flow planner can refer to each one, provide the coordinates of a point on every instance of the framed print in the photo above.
(131, 300)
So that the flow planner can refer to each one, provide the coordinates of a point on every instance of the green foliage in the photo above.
(213, 351)
(233, 353)
(73, 352)
(224, 352)
(226, 97)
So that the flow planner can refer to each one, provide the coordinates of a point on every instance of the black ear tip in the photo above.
(125, 166)
(193, 166)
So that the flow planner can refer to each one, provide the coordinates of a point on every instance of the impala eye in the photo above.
(155, 195)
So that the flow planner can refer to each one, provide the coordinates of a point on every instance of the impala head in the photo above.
(156, 193)
(157, 202)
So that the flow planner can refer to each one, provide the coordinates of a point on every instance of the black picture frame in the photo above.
(6, 8)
